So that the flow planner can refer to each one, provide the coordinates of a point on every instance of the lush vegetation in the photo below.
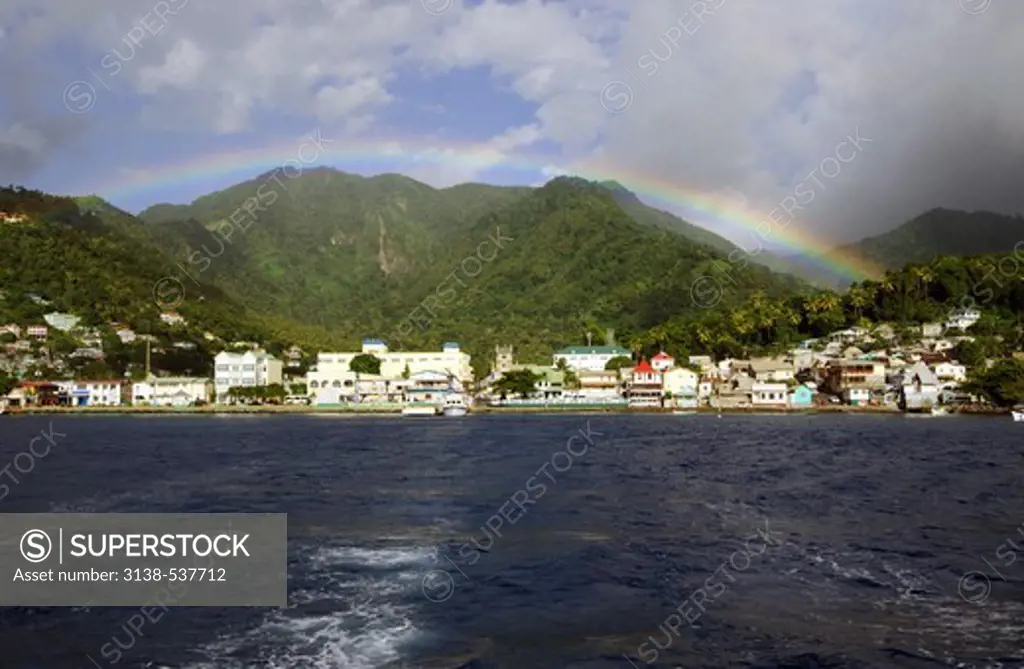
(1002, 384)
(909, 297)
(100, 264)
(331, 258)
(269, 394)
(365, 363)
(391, 257)
(520, 382)
(942, 232)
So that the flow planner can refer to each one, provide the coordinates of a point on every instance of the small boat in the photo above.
(1018, 413)
(455, 404)
(939, 411)
(684, 412)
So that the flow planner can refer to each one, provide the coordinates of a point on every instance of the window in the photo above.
(222, 368)
(314, 384)
(248, 368)
(336, 384)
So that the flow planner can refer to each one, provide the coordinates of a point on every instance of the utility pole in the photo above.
(148, 373)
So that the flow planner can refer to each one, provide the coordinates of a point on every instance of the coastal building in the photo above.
(100, 392)
(11, 328)
(599, 386)
(801, 397)
(769, 395)
(504, 360)
(61, 321)
(680, 381)
(176, 391)
(663, 362)
(843, 374)
(37, 331)
(589, 358)
(245, 370)
(396, 364)
(645, 386)
(856, 395)
(769, 370)
(702, 362)
(919, 388)
(949, 372)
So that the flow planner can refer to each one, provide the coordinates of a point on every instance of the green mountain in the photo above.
(648, 215)
(95, 261)
(356, 255)
(941, 232)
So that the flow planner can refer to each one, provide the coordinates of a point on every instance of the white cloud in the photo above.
(749, 96)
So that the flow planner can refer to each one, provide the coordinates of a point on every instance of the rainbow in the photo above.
(711, 209)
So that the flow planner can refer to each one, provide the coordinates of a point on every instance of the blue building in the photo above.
(801, 397)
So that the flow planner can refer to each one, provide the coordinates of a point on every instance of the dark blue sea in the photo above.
(496, 542)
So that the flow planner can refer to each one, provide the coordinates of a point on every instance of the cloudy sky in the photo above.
(734, 100)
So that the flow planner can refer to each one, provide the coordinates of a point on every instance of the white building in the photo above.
(171, 391)
(172, 318)
(249, 369)
(61, 321)
(961, 319)
(126, 335)
(102, 392)
(663, 362)
(949, 372)
(770, 370)
(393, 364)
(588, 358)
(680, 380)
(38, 331)
(769, 394)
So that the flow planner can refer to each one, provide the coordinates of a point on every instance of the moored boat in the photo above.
(455, 404)
(1018, 413)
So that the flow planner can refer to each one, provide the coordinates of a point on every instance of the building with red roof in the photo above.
(645, 386)
(663, 362)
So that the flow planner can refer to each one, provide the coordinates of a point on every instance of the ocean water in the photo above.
(562, 542)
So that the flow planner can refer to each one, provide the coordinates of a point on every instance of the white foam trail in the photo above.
(367, 631)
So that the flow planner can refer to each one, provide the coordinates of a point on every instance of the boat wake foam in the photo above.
(350, 610)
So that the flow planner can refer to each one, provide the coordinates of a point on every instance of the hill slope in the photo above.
(358, 254)
(941, 232)
(98, 262)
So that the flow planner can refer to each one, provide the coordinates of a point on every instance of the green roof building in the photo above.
(589, 358)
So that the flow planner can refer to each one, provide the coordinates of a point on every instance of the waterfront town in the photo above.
(857, 367)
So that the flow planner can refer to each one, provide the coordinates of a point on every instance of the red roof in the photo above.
(663, 356)
(643, 368)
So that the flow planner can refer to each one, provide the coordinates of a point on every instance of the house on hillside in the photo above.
(663, 361)
(768, 370)
(61, 321)
(961, 319)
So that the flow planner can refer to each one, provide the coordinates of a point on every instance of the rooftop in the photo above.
(593, 350)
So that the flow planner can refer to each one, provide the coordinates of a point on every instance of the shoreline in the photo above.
(213, 409)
